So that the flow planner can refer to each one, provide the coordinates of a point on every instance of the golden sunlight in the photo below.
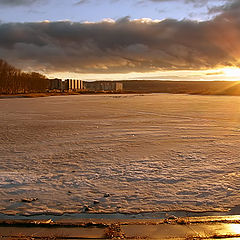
(231, 72)
(233, 228)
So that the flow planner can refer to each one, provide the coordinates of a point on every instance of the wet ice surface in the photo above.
(153, 152)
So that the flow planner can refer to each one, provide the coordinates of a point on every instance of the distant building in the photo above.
(73, 85)
(55, 84)
(69, 85)
(77, 85)
(103, 86)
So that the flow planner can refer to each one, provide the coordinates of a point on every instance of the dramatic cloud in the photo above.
(196, 3)
(28, 2)
(17, 2)
(186, 1)
(81, 2)
(125, 45)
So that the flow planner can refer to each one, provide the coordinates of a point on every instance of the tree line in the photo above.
(13, 80)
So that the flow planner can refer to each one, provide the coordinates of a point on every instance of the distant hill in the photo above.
(184, 87)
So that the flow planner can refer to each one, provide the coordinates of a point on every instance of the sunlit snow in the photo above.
(150, 152)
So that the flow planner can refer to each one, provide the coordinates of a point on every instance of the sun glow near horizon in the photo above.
(218, 74)
(231, 72)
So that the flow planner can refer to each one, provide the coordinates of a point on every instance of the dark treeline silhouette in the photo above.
(13, 81)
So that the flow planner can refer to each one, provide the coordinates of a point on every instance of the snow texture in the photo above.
(152, 152)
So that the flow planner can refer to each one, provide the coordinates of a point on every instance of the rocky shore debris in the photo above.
(114, 232)
(96, 202)
(39, 222)
(49, 221)
(172, 217)
(86, 208)
(28, 200)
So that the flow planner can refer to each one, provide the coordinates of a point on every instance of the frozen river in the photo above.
(143, 152)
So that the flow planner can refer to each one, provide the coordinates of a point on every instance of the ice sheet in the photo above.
(150, 152)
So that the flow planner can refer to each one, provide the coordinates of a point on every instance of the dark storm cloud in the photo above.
(124, 45)
(17, 2)
(196, 3)
(199, 3)
(230, 5)
(82, 2)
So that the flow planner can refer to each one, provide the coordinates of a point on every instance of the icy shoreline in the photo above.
(121, 216)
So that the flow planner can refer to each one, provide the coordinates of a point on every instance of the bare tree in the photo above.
(13, 80)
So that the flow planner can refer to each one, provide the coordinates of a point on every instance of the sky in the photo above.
(123, 39)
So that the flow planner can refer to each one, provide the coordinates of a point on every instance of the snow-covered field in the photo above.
(148, 152)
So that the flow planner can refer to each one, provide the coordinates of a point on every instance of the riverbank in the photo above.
(222, 88)
(36, 95)
(169, 228)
